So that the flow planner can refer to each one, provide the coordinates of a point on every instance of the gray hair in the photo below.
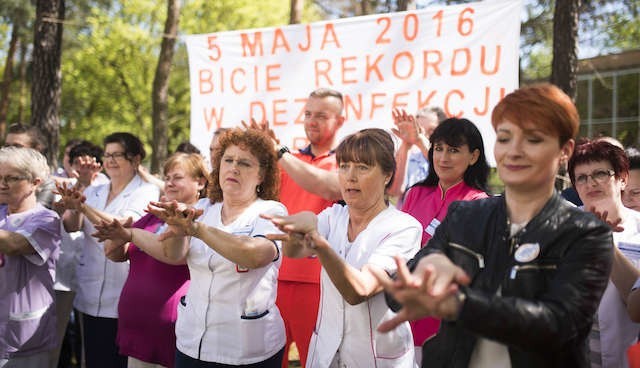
(26, 160)
(432, 110)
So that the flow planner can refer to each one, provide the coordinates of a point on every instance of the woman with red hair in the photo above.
(515, 278)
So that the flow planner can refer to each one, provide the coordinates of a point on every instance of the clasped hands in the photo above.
(429, 291)
(71, 197)
(301, 228)
(179, 217)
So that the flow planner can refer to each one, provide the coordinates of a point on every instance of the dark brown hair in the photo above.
(598, 150)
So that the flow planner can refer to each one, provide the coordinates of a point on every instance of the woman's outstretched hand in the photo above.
(423, 293)
(114, 230)
(179, 218)
(71, 197)
(300, 229)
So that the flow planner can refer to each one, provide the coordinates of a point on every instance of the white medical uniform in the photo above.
(229, 314)
(99, 279)
(346, 335)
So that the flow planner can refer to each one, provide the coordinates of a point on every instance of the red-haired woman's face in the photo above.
(239, 174)
(528, 159)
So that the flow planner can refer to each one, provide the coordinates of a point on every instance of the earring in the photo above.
(259, 188)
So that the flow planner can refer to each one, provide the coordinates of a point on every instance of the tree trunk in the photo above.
(46, 86)
(161, 86)
(565, 45)
(22, 101)
(295, 16)
(365, 7)
(8, 78)
(404, 5)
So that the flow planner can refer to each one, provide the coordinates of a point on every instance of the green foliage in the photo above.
(623, 31)
(539, 65)
(109, 65)
(107, 81)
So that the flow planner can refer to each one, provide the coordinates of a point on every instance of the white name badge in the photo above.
(527, 252)
(431, 228)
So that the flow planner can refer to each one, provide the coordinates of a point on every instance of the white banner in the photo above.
(463, 58)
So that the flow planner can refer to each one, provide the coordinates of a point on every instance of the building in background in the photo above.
(608, 97)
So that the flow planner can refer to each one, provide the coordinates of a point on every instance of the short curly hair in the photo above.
(261, 147)
(588, 151)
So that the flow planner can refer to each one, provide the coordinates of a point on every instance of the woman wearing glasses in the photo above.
(100, 280)
(146, 335)
(29, 247)
(599, 171)
(516, 278)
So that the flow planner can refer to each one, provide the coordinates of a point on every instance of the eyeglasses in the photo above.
(10, 179)
(599, 176)
(115, 155)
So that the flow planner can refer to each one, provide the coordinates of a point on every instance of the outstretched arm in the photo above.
(301, 239)
(248, 252)
(310, 178)
(116, 237)
(295, 242)
(76, 210)
(355, 285)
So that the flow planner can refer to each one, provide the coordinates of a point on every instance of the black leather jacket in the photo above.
(546, 307)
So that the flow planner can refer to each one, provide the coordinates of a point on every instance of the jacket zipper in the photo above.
(516, 268)
(476, 255)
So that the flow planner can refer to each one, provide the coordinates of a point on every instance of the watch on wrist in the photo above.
(282, 151)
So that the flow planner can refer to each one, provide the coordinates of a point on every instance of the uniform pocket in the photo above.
(30, 330)
(254, 335)
(395, 343)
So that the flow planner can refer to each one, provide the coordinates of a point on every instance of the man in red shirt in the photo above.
(308, 183)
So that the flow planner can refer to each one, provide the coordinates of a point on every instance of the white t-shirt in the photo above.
(347, 333)
(229, 314)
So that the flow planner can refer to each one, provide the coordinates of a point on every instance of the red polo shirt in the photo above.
(296, 200)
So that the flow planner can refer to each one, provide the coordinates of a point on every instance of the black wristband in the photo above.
(282, 151)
